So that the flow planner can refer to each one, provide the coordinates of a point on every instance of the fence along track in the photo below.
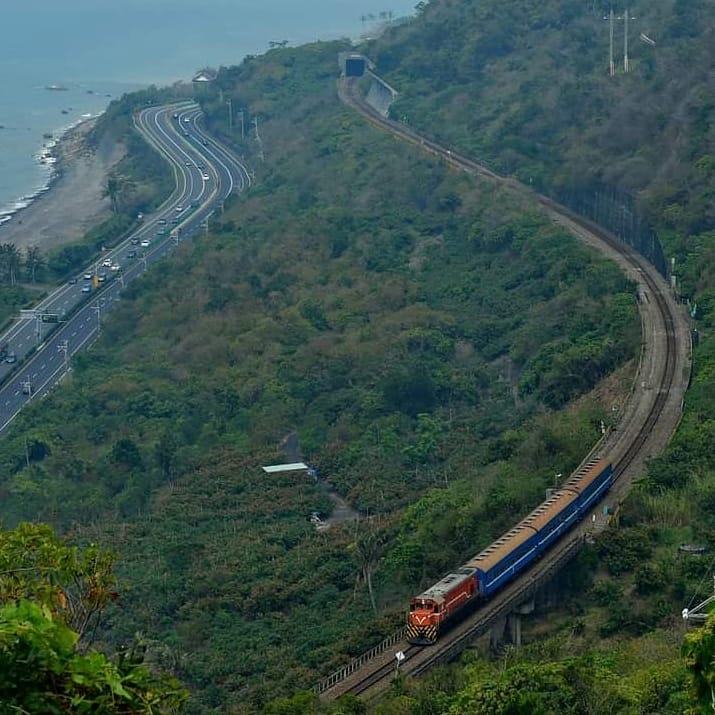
(567, 546)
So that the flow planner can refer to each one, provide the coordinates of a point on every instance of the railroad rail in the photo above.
(652, 415)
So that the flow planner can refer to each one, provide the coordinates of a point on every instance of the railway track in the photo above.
(653, 414)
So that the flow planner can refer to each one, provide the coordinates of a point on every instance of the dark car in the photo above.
(72, 281)
(132, 254)
(11, 358)
(134, 241)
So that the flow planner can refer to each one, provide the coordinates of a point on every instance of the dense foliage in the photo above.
(417, 330)
(413, 327)
(51, 595)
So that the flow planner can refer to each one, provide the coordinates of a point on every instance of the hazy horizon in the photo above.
(100, 49)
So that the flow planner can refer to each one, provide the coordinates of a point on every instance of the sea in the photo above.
(63, 62)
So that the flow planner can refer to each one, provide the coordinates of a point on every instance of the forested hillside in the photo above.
(421, 332)
(434, 343)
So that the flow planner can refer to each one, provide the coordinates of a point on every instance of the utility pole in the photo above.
(611, 63)
(242, 128)
(230, 113)
(98, 310)
(626, 65)
(258, 139)
(63, 348)
(700, 612)
(612, 17)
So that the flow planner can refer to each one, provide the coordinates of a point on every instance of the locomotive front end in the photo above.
(423, 622)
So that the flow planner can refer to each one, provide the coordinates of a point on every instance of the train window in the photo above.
(436, 608)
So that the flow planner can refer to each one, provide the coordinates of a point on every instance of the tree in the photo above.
(126, 453)
(34, 262)
(75, 584)
(166, 456)
(699, 653)
(367, 549)
(41, 671)
(52, 595)
(9, 262)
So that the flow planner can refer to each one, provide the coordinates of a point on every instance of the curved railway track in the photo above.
(653, 414)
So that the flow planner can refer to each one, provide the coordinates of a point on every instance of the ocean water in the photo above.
(98, 49)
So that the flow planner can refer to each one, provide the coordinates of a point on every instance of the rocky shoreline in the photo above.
(76, 197)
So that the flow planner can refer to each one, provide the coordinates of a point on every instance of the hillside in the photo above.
(439, 349)
(422, 334)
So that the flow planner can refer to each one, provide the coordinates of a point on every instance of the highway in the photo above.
(44, 338)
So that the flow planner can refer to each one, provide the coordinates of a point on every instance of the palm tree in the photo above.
(33, 262)
(10, 261)
(367, 550)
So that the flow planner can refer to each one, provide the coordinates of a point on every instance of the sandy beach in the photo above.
(77, 198)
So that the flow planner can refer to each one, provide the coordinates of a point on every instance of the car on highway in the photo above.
(101, 277)
(162, 222)
(114, 267)
(72, 280)
(145, 243)
(11, 358)
(134, 241)
(86, 288)
(88, 276)
(107, 262)
(205, 177)
(179, 209)
(132, 254)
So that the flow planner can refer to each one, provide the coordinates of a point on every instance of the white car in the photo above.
(205, 177)
(107, 262)
(145, 243)
(114, 267)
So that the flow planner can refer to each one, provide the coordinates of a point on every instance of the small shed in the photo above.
(292, 467)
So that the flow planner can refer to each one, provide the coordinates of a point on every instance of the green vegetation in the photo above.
(51, 596)
(425, 335)
(398, 317)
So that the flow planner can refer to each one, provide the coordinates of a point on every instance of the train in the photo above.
(449, 600)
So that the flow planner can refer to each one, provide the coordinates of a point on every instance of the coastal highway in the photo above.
(44, 338)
